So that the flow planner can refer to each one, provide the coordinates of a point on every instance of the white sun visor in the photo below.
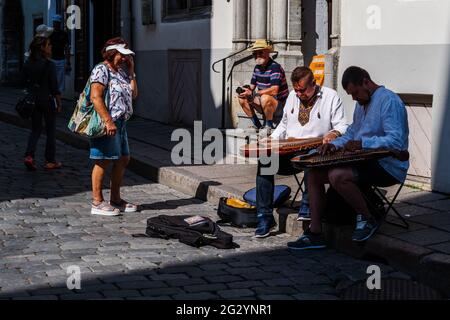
(121, 48)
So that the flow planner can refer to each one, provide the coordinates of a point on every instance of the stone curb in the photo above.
(430, 268)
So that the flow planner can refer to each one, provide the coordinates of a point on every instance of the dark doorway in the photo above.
(82, 47)
(106, 24)
(13, 41)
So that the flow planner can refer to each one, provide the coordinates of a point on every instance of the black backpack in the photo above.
(195, 231)
(236, 217)
(339, 212)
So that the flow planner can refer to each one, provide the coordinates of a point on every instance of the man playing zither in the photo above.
(311, 111)
(379, 121)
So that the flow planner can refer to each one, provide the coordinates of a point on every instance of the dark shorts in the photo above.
(371, 173)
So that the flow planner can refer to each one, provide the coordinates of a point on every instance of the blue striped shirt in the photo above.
(269, 76)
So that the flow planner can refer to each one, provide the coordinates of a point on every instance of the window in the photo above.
(176, 10)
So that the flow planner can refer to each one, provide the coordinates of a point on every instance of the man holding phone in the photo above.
(270, 80)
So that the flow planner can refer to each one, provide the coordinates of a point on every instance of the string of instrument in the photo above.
(342, 157)
(316, 160)
(280, 147)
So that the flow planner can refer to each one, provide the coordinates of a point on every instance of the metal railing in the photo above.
(224, 79)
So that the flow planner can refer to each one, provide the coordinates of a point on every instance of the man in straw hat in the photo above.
(270, 80)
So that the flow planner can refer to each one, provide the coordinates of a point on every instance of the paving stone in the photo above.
(235, 293)
(424, 237)
(205, 288)
(244, 284)
(312, 296)
(185, 282)
(164, 277)
(275, 297)
(442, 205)
(196, 296)
(274, 290)
(442, 247)
(223, 279)
(141, 284)
(162, 292)
(121, 294)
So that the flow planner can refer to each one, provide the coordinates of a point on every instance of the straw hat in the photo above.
(261, 44)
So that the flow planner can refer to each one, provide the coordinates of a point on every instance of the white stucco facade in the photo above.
(212, 36)
(404, 45)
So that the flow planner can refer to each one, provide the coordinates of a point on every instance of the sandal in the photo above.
(124, 206)
(104, 209)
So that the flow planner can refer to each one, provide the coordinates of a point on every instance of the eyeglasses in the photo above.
(258, 53)
(303, 90)
(300, 90)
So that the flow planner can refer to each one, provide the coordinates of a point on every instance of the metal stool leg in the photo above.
(404, 224)
(298, 190)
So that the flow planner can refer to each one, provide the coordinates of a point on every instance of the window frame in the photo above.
(204, 12)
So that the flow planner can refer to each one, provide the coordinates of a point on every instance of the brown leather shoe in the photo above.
(52, 165)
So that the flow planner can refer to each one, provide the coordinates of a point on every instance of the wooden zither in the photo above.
(340, 157)
(281, 147)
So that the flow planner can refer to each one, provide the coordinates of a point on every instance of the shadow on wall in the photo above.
(442, 152)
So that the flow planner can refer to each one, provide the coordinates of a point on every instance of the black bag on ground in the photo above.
(195, 231)
(235, 216)
(339, 212)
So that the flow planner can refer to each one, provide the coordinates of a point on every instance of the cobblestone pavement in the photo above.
(45, 227)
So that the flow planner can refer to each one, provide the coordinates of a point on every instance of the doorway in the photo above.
(13, 41)
(185, 86)
(106, 24)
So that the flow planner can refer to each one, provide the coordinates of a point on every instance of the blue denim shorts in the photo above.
(111, 148)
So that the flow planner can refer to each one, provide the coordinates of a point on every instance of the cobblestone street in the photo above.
(46, 226)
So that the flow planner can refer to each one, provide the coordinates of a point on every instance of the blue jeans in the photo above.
(265, 186)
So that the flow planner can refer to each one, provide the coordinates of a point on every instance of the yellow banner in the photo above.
(318, 68)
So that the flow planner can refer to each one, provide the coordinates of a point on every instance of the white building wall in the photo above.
(212, 36)
(404, 45)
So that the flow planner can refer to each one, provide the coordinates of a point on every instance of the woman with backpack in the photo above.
(113, 88)
(39, 78)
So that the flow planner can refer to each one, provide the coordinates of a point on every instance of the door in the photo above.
(185, 86)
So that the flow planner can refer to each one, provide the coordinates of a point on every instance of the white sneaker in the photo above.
(104, 209)
(124, 206)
